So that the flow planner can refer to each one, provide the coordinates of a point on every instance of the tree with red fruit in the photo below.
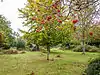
(83, 12)
(46, 18)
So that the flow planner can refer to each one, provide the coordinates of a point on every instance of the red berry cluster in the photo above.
(74, 21)
(39, 29)
(48, 18)
(43, 22)
(91, 33)
(60, 21)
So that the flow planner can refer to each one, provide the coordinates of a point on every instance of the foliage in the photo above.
(14, 43)
(6, 33)
(6, 46)
(20, 44)
(95, 38)
(72, 46)
(93, 67)
(46, 21)
(47, 26)
(88, 48)
(86, 10)
(75, 42)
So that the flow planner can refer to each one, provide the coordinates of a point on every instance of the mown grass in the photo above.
(69, 63)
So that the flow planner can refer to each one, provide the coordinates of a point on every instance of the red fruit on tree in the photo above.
(34, 18)
(37, 30)
(91, 33)
(42, 22)
(75, 21)
(49, 17)
(55, 6)
(58, 10)
(60, 21)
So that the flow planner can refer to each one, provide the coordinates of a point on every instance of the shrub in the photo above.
(88, 48)
(72, 46)
(20, 44)
(75, 42)
(43, 49)
(6, 46)
(93, 67)
(77, 48)
(14, 43)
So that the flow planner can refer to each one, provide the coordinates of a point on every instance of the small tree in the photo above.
(45, 19)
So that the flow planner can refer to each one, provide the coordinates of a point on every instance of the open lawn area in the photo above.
(69, 63)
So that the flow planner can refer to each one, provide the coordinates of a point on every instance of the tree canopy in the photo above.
(6, 31)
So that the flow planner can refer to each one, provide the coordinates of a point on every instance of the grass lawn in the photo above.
(70, 63)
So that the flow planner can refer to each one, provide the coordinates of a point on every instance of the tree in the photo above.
(85, 11)
(46, 20)
(5, 31)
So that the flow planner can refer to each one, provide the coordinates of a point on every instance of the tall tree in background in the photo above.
(85, 11)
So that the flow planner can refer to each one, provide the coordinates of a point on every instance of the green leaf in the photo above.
(49, 2)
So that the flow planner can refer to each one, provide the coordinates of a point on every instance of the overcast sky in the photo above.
(9, 8)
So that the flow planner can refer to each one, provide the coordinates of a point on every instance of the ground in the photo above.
(69, 63)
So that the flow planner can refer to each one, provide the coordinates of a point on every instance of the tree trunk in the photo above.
(83, 47)
(48, 51)
(83, 43)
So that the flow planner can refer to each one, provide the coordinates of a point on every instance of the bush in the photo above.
(20, 44)
(6, 46)
(93, 67)
(43, 49)
(88, 48)
(75, 42)
(77, 49)
(72, 46)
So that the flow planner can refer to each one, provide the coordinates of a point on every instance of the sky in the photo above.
(9, 9)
